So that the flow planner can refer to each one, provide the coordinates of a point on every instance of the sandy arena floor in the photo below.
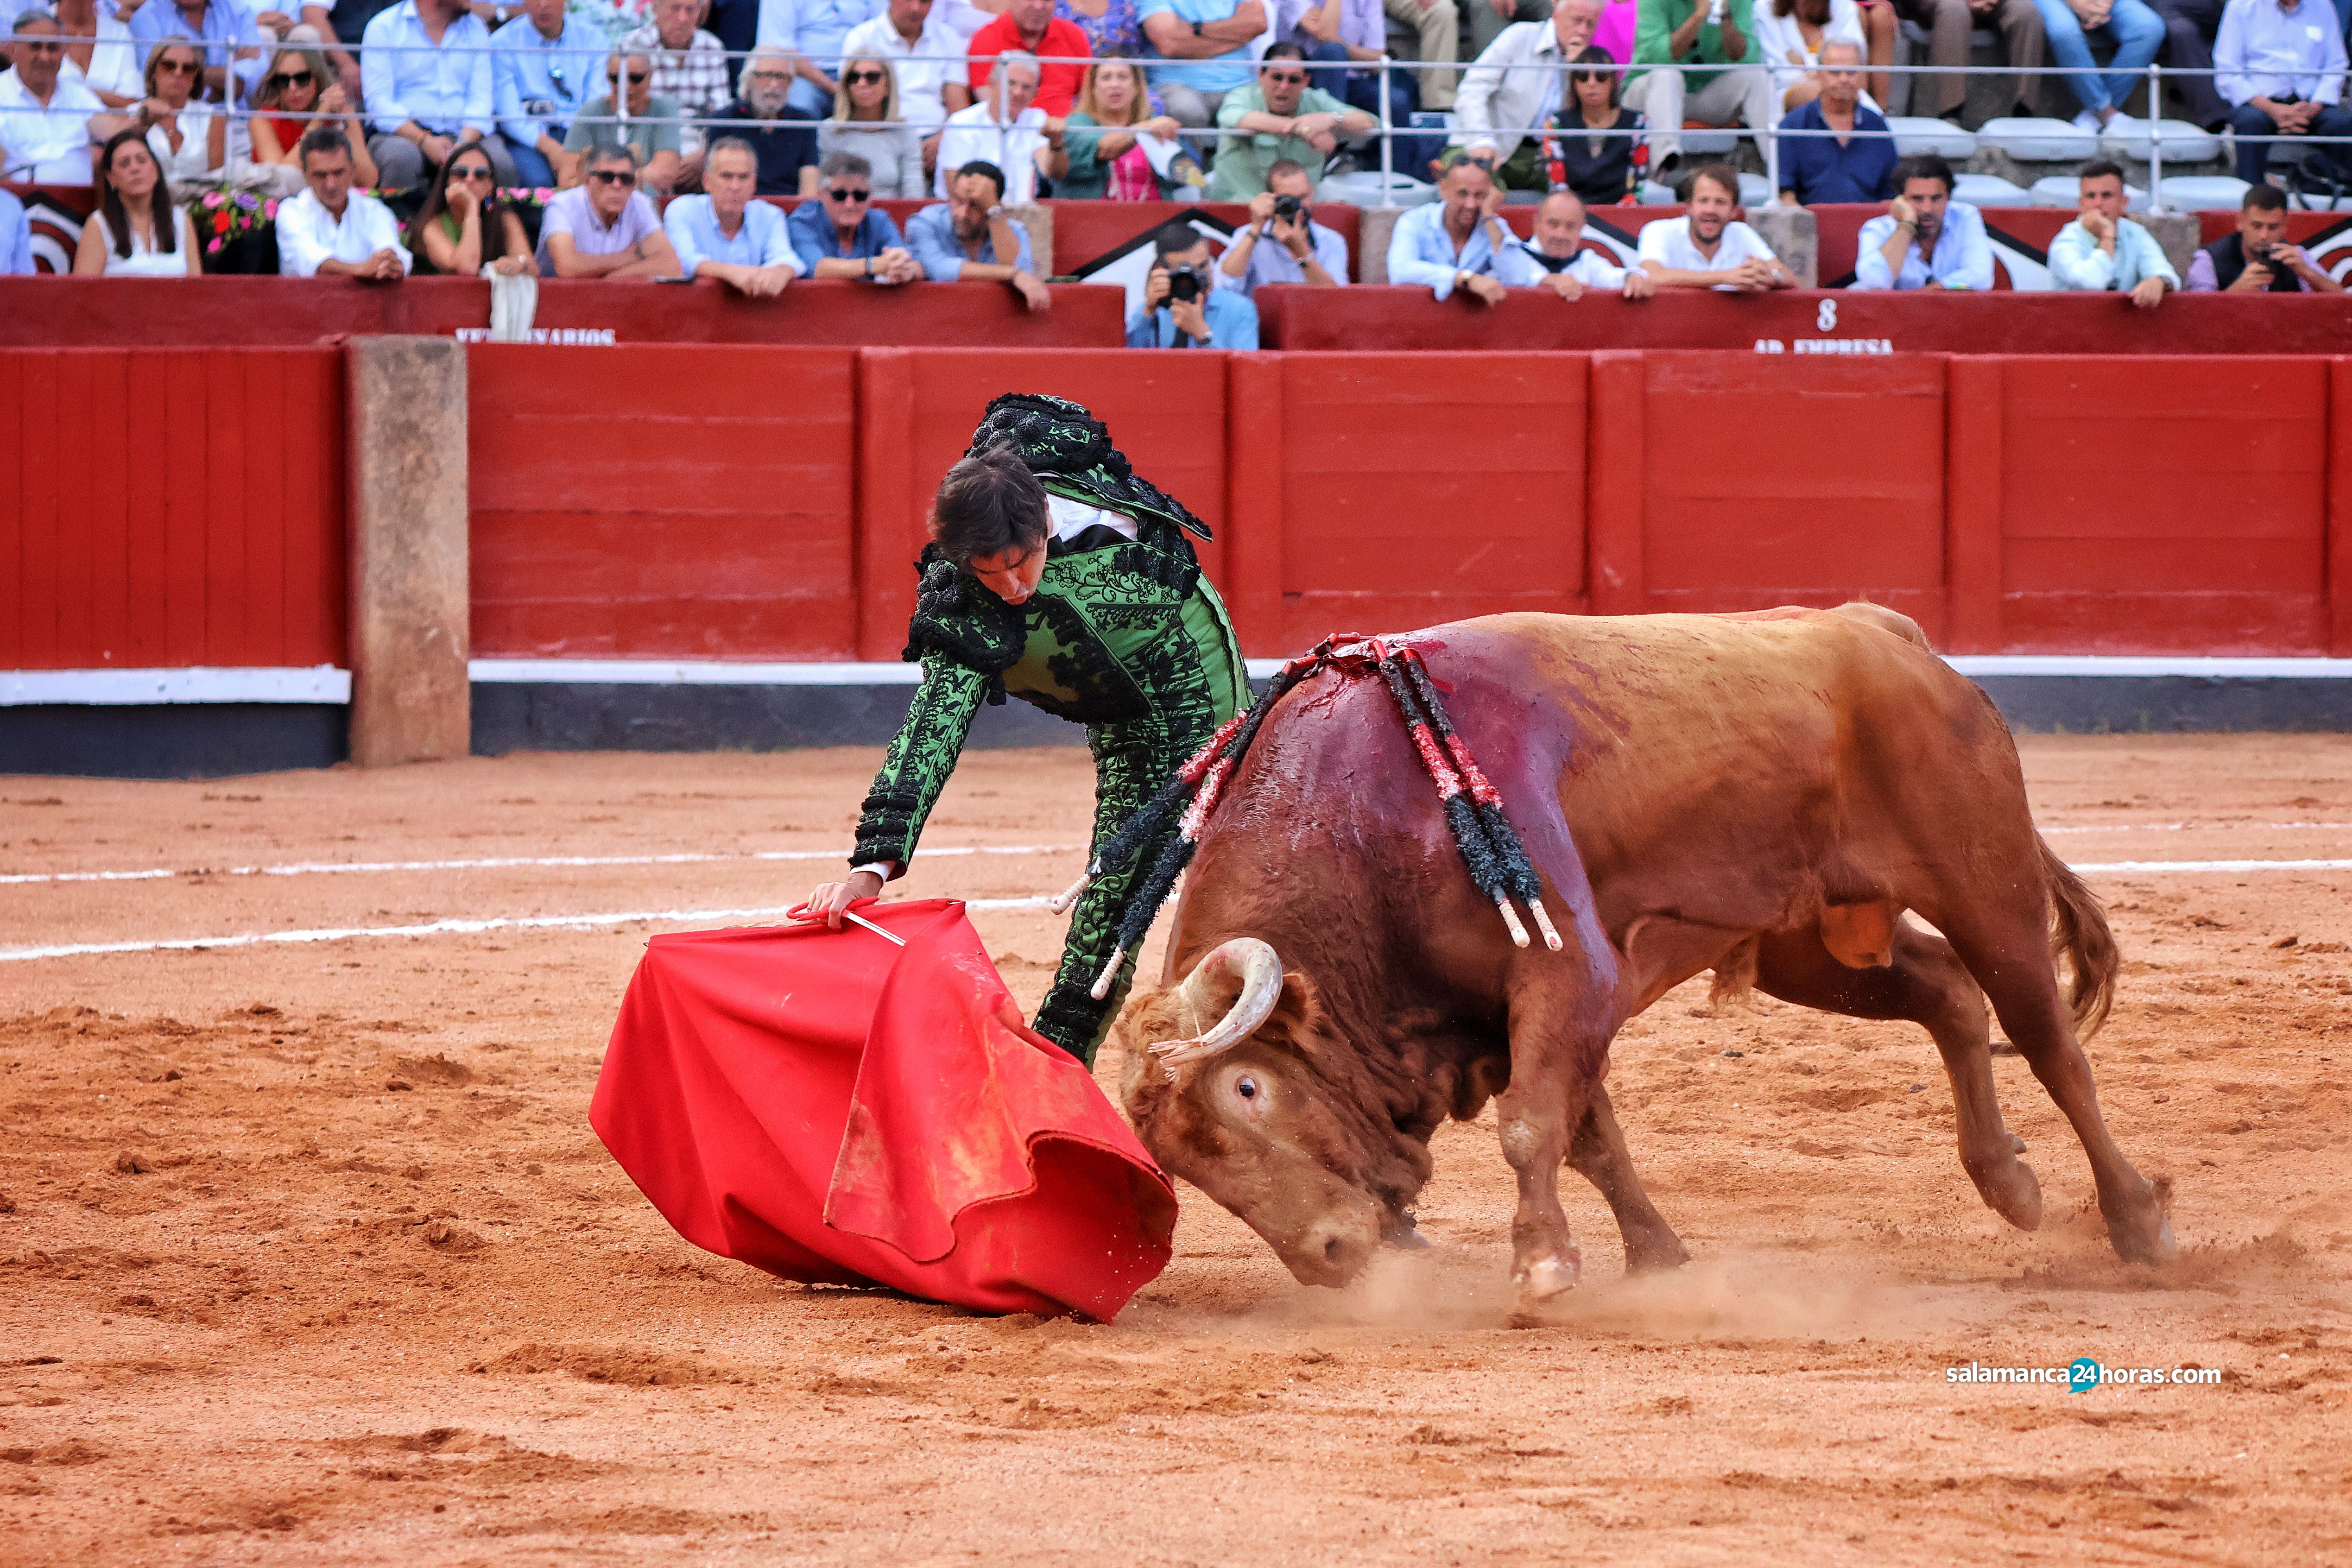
(307, 1253)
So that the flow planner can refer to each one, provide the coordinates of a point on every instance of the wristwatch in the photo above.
(1196, 29)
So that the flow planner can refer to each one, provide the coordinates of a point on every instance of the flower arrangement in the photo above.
(527, 195)
(613, 17)
(221, 216)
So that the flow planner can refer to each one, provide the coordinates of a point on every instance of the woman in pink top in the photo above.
(1613, 34)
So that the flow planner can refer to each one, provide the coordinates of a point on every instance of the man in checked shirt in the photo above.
(691, 67)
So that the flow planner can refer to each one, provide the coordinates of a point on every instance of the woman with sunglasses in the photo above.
(1106, 163)
(867, 93)
(297, 87)
(464, 225)
(188, 137)
(138, 231)
(1598, 167)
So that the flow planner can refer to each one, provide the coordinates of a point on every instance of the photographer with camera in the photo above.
(1183, 308)
(1282, 243)
(2257, 259)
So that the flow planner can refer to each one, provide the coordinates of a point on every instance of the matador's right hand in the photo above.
(832, 898)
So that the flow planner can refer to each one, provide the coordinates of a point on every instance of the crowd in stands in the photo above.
(516, 134)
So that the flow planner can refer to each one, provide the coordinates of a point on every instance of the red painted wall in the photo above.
(647, 503)
(170, 508)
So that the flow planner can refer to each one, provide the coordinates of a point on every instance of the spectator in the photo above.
(818, 32)
(44, 120)
(1598, 167)
(1351, 33)
(1789, 37)
(332, 230)
(1182, 306)
(1515, 84)
(1030, 27)
(1709, 248)
(1455, 241)
(785, 140)
(1558, 260)
(1929, 240)
(2257, 259)
(689, 69)
(16, 238)
(969, 237)
(1855, 162)
(1282, 243)
(138, 230)
(1007, 128)
(425, 65)
(188, 139)
(2190, 29)
(1278, 119)
(2103, 249)
(653, 126)
(1489, 17)
(1204, 45)
(544, 69)
(1613, 34)
(225, 30)
(1679, 32)
(2282, 64)
(1438, 27)
(1104, 157)
(843, 235)
(343, 22)
(463, 224)
(1114, 29)
(297, 85)
(1949, 24)
(2135, 32)
(604, 227)
(926, 58)
(868, 92)
(99, 53)
(725, 234)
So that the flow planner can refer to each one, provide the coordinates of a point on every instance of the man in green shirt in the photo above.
(1278, 116)
(652, 128)
(1696, 33)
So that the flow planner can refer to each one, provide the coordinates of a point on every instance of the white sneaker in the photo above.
(2087, 121)
(2122, 125)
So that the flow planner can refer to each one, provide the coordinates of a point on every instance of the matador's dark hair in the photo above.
(989, 503)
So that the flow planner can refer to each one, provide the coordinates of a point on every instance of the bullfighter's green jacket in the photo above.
(1125, 636)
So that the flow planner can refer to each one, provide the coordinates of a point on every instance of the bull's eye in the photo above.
(1246, 1087)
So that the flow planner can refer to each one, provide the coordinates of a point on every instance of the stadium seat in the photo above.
(2038, 141)
(1755, 190)
(1653, 194)
(1915, 134)
(2063, 190)
(1706, 141)
(2183, 142)
(1362, 188)
(2202, 192)
(1989, 191)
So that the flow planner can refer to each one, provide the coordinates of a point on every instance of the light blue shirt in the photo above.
(2077, 262)
(1233, 324)
(227, 26)
(930, 236)
(445, 87)
(16, 238)
(1219, 73)
(1421, 251)
(538, 83)
(1963, 256)
(815, 28)
(694, 234)
(1270, 263)
(2265, 52)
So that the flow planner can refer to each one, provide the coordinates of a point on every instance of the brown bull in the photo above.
(1760, 795)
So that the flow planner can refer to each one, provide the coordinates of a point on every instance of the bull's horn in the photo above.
(1260, 968)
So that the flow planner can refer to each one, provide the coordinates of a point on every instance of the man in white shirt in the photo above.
(1558, 260)
(725, 234)
(45, 118)
(1282, 243)
(1516, 83)
(2280, 65)
(1927, 240)
(1004, 128)
(331, 230)
(1709, 248)
(2101, 249)
(1456, 242)
(927, 56)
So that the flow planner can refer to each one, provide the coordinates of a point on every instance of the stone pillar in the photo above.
(1039, 221)
(1372, 234)
(2179, 232)
(1794, 237)
(410, 588)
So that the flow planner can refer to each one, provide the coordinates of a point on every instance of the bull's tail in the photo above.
(2078, 931)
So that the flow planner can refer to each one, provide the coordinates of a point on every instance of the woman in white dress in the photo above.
(138, 231)
(869, 90)
(189, 139)
(99, 53)
(1791, 34)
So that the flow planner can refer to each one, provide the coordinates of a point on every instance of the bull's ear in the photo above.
(1297, 1022)
(1146, 1011)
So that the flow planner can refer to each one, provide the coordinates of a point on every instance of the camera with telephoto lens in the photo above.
(1288, 209)
(1183, 285)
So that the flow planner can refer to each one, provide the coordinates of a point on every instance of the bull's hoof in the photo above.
(2012, 1190)
(1546, 1278)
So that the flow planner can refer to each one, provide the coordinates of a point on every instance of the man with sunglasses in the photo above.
(424, 66)
(968, 238)
(841, 235)
(1278, 119)
(724, 234)
(45, 118)
(652, 130)
(546, 64)
(604, 227)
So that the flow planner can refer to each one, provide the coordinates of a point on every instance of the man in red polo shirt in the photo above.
(1031, 24)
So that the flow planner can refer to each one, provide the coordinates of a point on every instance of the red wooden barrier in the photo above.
(170, 508)
(647, 502)
(1088, 231)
